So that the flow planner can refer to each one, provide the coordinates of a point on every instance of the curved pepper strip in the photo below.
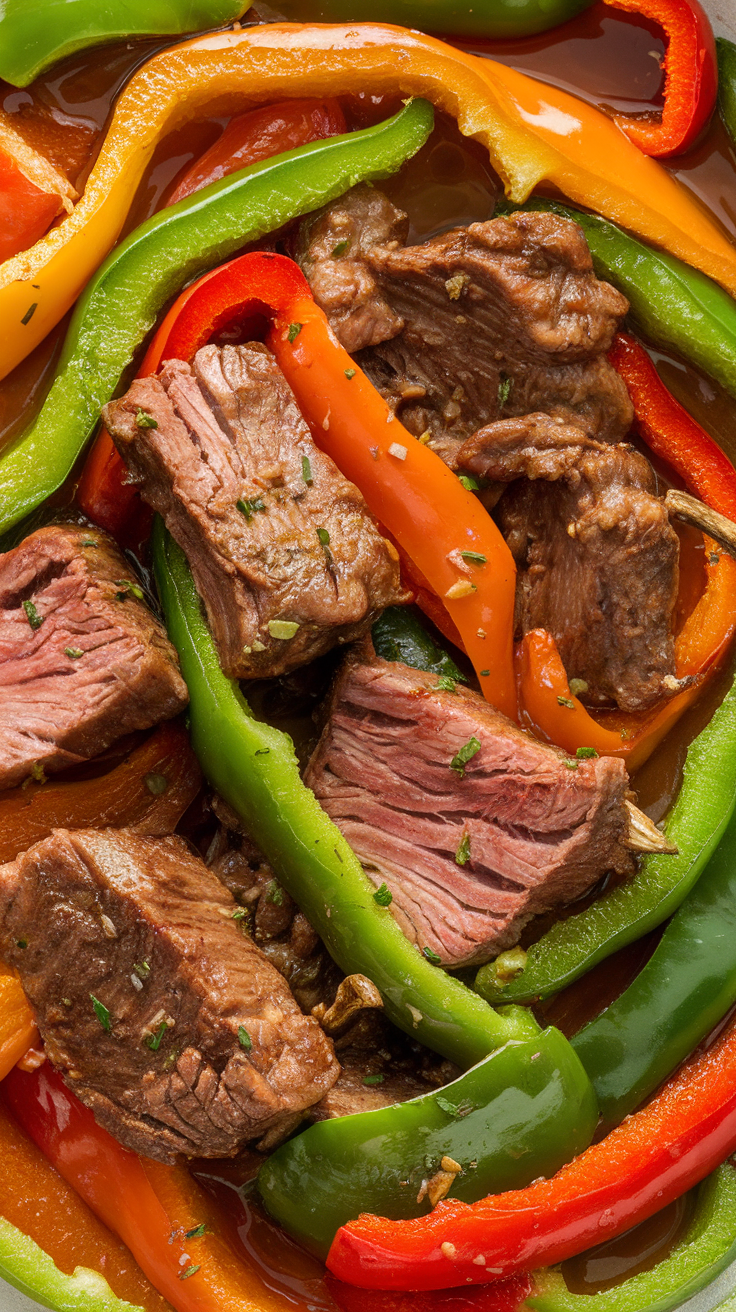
(254, 768)
(124, 300)
(727, 84)
(32, 191)
(678, 997)
(29, 1269)
(655, 1156)
(18, 1030)
(377, 1161)
(707, 1247)
(690, 77)
(695, 824)
(153, 1209)
(534, 133)
(486, 18)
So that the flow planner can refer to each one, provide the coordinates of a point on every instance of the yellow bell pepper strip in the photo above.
(534, 134)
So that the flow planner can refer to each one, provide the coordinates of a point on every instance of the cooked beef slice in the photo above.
(470, 855)
(273, 532)
(597, 556)
(82, 659)
(162, 1016)
(503, 317)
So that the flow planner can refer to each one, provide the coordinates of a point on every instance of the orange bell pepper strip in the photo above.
(163, 1216)
(649, 1160)
(38, 1202)
(18, 1030)
(690, 77)
(32, 192)
(534, 133)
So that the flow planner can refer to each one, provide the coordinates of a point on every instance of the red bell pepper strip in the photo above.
(649, 1160)
(690, 77)
(501, 1296)
(548, 705)
(424, 507)
(267, 131)
(164, 1217)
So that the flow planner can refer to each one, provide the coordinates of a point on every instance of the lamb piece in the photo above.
(162, 1016)
(82, 659)
(598, 558)
(504, 317)
(470, 852)
(283, 550)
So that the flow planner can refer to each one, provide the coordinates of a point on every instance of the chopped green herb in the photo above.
(383, 896)
(155, 783)
(144, 420)
(469, 483)
(572, 765)
(340, 249)
(504, 390)
(306, 469)
(484, 674)
(294, 331)
(350, 373)
(275, 893)
(129, 589)
(250, 506)
(154, 1040)
(323, 536)
(244, 1038)
(38, 774)
(34, 619)
(197, 1232)
(262, 751)
(458, 1109)
(190, 1271)
(142, 969)
(462, 856)
(73, 653)
(432, 956)
(89, 542)
(67, 1002)
(475, 557)
(566, 701)
(373, 1079)
(446, 684)
(466, 753)
(240, 914)
(101, 1013)
(29, 313)
(586, 753)
(21, 943)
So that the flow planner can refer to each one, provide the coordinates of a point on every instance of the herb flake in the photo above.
(383, 896)
(456, 1109)
(197, 1232)
(462, 856)
(249, 506)
(190, 1271)
(446, 684)
(350, 373)
(306, 469)
(73, 653)
(474, 557)
(34, 619)
(144, 420)
(465, 754)
(566, 701)
(154, 1040)
(128, 590)
(244, 1038)
(432, 957)
(586, 753)
(504, 390)
(323, 536)
(294, 331)
(373, 1079)
(340, 248)
(101, 1013)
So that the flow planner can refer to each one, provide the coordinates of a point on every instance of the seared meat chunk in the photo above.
(82, 659)
(284, 553)
(470, 851)
(596, 553)
(163, 1017)
(504, 317)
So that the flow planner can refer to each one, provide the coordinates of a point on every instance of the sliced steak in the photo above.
(283, 550)
(163, 1017)
(82, 659)
(504, 317)
(598, 559)
(469, 852)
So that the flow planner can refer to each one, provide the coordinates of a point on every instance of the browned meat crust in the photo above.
(200, 1045)
(83, 660)
(270, 540)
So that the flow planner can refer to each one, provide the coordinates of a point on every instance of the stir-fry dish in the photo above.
(367, 701)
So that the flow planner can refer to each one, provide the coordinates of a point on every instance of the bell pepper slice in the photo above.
(32, 39)
(44, 1210)
(681, 993)
(24, 1265)
(165, 1218)
(726, 51)
(377, 1161)
(657, 1154)
(126, 296)
(18, 1030)
(149, 791)
(533, 132)
(32, 191)
(706, 1248)
(502, 1296)
(485, 18)
(690, 77)
(695, 825)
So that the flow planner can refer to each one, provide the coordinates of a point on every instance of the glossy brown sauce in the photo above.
(610, 59)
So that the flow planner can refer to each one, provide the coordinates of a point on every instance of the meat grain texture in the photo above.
(274, 535)
(162, 1016)
(470, 851)
(82, 659)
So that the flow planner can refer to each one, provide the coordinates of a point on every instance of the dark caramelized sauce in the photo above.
(611, 59)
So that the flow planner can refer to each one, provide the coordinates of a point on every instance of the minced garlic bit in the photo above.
(397, 450)
(462, 588)
(136, 982)
(258, 645)
(108, 928)
(479, 1260)
(326, 422)
(577, 686)
(415, 1014)
(448, 1250)
(480, 633)
(456, 284)
(424, 437)
(283, 629)
(510, 964)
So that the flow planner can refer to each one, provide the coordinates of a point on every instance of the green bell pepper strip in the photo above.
(686, 987)
(672, 305)
(523, 1112)
(254, 767)
(24, 1265)
(695, 824)
(399, 636)
(726, 51)
(495, 18)
(707, 1247)
(34, 34)
(123, 301)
